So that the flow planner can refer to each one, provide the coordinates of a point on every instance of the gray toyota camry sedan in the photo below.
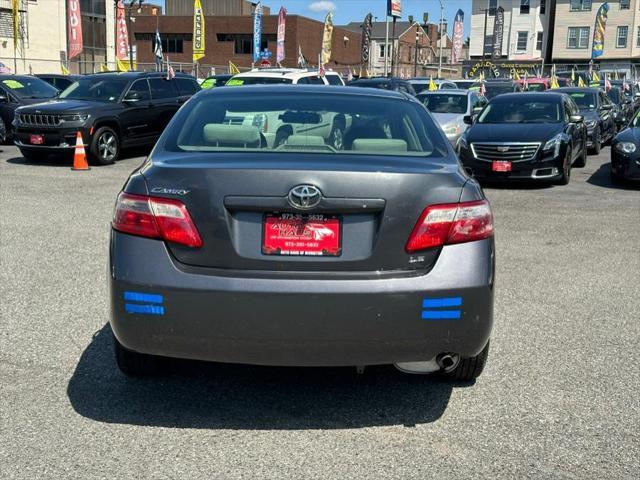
(303, 226)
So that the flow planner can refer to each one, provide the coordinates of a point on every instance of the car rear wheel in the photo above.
(134, 364)
(597, 146)
(105, 146)
(336, 137)
(469, 369)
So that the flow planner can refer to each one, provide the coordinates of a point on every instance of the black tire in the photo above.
(3, 132)
(336, 136)
(134, 364)
(566, 171)
(581, 162)
(597, 146)
(105, 146)
(34, 156)
(469, 369)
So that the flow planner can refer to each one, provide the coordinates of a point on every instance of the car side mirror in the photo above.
(468, 119)
(576, 119)
(132, 97)
(3, 98)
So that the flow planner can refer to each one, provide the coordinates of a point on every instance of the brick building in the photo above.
(230, 39)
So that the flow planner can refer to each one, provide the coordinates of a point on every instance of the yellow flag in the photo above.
(63, 69)
(326, 38)
(516, 75)
(233, 70)
(123, 65)
(581, 83)
(104, 67)
(596, 77)
(573, 75)
(432, 85)
(554, 82)
(198, 31)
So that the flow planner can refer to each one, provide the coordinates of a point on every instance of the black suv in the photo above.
(111, 110)
(18, 90)
(385, 83)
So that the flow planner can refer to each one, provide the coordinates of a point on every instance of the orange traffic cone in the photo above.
(79, 156)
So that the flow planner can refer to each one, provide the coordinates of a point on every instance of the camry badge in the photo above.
(304, 196)
(503, 149)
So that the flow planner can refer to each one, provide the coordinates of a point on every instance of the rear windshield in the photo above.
(584, 100)
(519, 110)
(342, 124)
(99, 89)
(444, 103)
(257, 81)
(29, 87)
(536, 87)
(381, 84)
(493, 90)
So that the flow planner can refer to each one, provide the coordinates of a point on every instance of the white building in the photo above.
(525, 31)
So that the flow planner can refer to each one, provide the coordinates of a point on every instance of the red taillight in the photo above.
(451, 223)
(154, 217)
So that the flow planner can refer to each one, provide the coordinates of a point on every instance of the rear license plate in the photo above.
(302, 235)
(36, 139)
(498, 166)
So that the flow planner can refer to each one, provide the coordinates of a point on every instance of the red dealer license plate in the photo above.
(36, 139)
(498, 166)
(297, 234)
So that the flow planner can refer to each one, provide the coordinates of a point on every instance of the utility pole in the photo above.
(128, 9)
(386, 50)
(441, 38)
(415, 65)
(393, 46)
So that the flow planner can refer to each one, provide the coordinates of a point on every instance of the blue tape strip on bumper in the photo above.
(143, 297)
(441, 314)
(144, 309)
(442, 302)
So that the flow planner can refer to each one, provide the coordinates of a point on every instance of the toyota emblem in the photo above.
(304, 196)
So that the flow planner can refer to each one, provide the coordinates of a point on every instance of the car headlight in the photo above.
(554, 144)
(626, 147)
(451, 129)
(75, 117)
(590, 123)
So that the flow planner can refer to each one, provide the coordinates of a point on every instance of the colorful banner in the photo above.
(282, 19)
(122, 35)
(394, 8)
(458, 33)
(198, 31)
(366, 39)
(598, 30)
(327, 37)
(498, 32)
(74, 28)
(257, 32)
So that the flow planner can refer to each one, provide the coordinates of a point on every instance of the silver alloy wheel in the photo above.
(107, 146)
(337, 139)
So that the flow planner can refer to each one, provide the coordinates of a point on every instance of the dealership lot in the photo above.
(559, 397)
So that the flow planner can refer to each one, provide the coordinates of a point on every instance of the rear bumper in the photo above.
(298, 322)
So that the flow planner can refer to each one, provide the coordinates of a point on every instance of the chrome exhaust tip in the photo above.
(448, 362)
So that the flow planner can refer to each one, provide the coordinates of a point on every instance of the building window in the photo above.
(578, 37)
(521, 45)
(539, 41)
(543, 7)
(493, 6)
(382, 51)
(524, 7)
(243, 42)
(624, 4)
(638, 38)
(580, 5)
(621, 38)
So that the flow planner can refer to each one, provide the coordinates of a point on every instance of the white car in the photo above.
(275, 129)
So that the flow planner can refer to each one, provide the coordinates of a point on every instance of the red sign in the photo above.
(394, 8)
(122, 35)
(295, 234)
(501, 166)
(36, 139)
(74, 28)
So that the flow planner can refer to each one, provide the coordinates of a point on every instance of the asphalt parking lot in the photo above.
(559, 397)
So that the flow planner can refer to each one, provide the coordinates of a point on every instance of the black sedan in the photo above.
(525, 136)
(385, 83)
(623, 107)
(625, 153)
(377, 251)
(596, 109)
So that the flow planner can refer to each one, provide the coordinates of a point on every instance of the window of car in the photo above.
(614, 96)
(302, 122)
(187, 86)
(334, 80)
(584, 100)
(444, 103)
(141, 87)
(258, 80)
(314, 80)
(522, 110)
(29, 87)
(97, 88)
(161, 88)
